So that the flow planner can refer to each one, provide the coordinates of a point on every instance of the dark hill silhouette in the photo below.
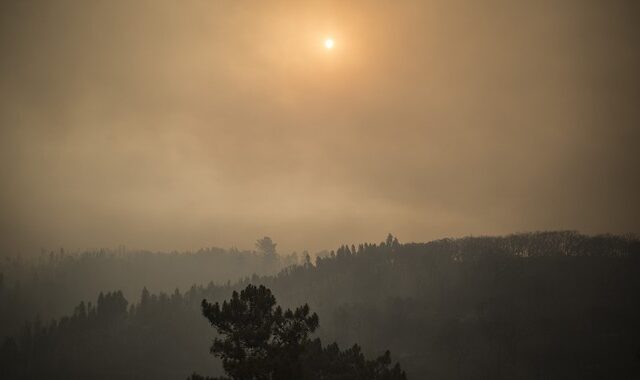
(551, 305)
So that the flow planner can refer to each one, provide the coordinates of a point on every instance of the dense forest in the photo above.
(547, 305)
(52, 284)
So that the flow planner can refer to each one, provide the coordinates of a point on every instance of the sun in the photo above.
(328, 43)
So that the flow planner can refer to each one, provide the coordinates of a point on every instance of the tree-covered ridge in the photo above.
(53, 283)
(455, 309)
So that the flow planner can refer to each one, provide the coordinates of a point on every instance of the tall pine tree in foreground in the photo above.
(261, 341)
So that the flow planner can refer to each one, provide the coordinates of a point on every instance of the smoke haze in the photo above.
(176, 125)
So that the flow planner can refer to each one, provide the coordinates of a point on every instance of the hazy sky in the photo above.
(182, 124)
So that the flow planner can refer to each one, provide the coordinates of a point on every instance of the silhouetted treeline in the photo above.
(545, 305)
(53, 283)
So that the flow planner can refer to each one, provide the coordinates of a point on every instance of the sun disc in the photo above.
(328, 43)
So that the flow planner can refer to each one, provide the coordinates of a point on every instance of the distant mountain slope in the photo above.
(551, 305)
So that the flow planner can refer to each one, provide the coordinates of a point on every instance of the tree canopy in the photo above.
(261, 341)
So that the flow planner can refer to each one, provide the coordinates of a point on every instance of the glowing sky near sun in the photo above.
(179, 125)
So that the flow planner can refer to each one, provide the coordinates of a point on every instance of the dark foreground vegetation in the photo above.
(260, 340)
(551, 305)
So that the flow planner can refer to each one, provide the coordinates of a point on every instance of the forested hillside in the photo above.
(52, 284)
(551, 305)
